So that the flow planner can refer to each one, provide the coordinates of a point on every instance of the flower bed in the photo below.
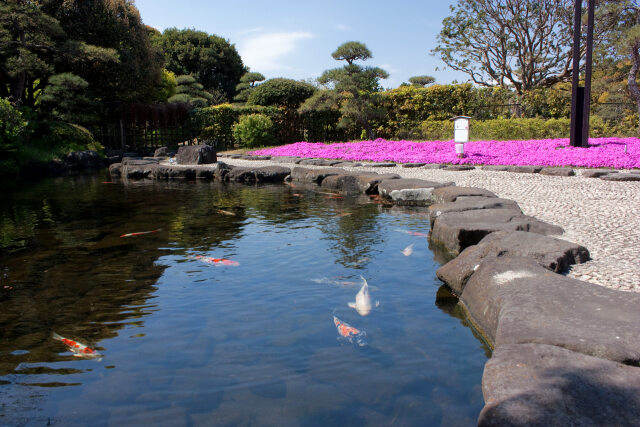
(602, 152)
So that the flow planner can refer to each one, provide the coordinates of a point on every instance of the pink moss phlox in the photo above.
(602, 152)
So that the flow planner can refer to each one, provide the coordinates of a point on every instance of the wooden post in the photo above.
(577, 100)
(122, 135)
(587, 75)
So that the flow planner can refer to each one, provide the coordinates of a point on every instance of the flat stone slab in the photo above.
(542, 385)
(139, 169)
(319, 162)
(412, 165)
(381, 165)
(597, 173)
(196, 155)
(495, 168)
(451, 194)
(525, 169)
(287, 159)
(357, 182)
(459, 230)
(261, 174)
(348, 165)
(434, 166)
(459, 168)
(249, 157)
(385, 187)
(471, 203)
(553, 254)
(621, 177)
(557, 172)
(301, 174)
(516, 301)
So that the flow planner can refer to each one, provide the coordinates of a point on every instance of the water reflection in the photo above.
(192, 343)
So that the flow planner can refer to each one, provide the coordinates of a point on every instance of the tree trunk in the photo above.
(633, 74)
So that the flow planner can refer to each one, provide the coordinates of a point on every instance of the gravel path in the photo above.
(601, 215)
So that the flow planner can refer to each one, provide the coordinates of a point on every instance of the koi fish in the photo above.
(412, 233)
(141, 233)
(335, 196)
(408, 250)
(349, 333)
(78, 349)
(362, 303)
(325, 280)
(223, 212)
(297, 195)
(217, 261)
(342, 214)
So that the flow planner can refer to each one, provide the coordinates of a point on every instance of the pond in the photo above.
(224, 314)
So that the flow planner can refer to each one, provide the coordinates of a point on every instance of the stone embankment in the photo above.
(566, 351)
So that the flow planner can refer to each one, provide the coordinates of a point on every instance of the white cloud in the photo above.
(266, 51)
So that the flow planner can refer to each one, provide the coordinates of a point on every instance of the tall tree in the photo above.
(212, 60)
(512, 43)
(247, 84)
(355, 88)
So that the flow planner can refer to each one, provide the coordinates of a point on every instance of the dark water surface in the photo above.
(185, 342)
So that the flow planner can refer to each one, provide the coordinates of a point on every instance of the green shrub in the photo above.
(13, 126)
(281, 92)
(254, 130)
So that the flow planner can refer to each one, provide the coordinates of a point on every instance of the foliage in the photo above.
(281, 92)
(422, 81)
(351, 51)
(216, 123)
(167, 87)
(212, 60)
(65, 98)
(512, 43)
(254, 130)
(67, 137)
(247, 84)
(13, 126)
(191, 92)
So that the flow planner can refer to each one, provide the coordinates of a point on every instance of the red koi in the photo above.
(223, 212)
(217, 261)
(348, 332)
(78, 349)
(140, 233)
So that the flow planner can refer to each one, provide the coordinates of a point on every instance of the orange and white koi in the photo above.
(217, 261)
(78, 349)
(349, 333)
(412, 233)
(408, 250)
(228, 213)
(141, 233)
(297, 195)
(343, 214)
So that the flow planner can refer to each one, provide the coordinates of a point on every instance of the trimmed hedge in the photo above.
(254, 130)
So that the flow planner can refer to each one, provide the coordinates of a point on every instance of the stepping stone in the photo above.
(459, 168)
(412, 165)
(319, 162)
(621, 177)
(354, 183)
(434, 166)
(249, 157)
(495, 168)
(260, 174)
(545, 385)
(471, 203)
(459, 230)
(196, 155)
(557, 172)
(287, 159)
(301, 174)
(409, 191)
(381, 165)
(597, 173)
(347, 165)
(553, 254)
(525, 169)
(514, 300)
(451, 194)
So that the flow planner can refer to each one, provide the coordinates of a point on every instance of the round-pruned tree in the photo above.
(281, 92)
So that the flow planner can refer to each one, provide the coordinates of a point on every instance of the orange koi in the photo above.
(349, 333)
(342, 214)
(217, 261)
(78, 349)
(141, 233)
(335, 196)
(228, 213)
(412, 233)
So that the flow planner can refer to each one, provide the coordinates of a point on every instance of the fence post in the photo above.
(122, 135)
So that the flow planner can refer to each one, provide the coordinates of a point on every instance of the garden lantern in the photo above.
(460, 133)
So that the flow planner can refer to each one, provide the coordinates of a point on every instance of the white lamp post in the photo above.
(460, 133)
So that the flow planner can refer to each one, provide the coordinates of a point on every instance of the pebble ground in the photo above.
(601, 215)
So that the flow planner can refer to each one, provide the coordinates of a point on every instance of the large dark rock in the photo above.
(364, 182)
(459, 230)
(451, 194)
(409, 191)
(196, 155)
(553, 254)
(495, 168)
(139, 169)
(287, 159)
(514, 300)
(542, 385)
(259, 174)
(469, 203)
(557, 172)
(115, 170)
(313, 175)
(597, 173)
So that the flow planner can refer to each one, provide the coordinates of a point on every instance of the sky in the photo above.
(295, 39)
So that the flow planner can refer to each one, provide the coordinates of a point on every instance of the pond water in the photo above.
(188, 339)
